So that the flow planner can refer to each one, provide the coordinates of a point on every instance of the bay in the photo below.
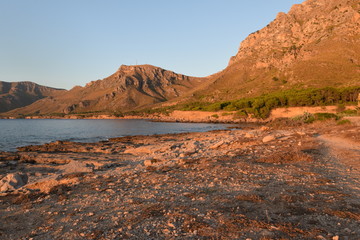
(22, 132)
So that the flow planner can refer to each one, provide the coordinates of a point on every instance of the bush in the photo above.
(343, 122)
(340, 107)
(349, 112)
(240, 114)
(305, 118)
(326, 116)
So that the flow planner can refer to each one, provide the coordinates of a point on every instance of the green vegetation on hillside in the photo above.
(261, 106)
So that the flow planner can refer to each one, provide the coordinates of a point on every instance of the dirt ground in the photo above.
(265, 182)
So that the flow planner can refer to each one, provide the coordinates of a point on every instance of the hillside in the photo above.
(316, 44)
(19, 94)
(130, 87)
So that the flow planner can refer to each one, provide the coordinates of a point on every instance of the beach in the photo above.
(254, 182)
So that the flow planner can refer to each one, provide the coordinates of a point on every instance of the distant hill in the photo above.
(19, 94)
(316, 44)
(130, 87)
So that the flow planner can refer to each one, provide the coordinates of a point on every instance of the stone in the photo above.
(268, 138)
(148, 162)
(266, 233)
(249, 135)
(320, 237)
(13, 181)
(77, 167)
(216, 145)
(264, 128)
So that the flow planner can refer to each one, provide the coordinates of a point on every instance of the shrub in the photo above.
(349, 112)
(326, 116)
(305, 118)
(343, 122)
(226, 114)
(340, 107)
(240, 114)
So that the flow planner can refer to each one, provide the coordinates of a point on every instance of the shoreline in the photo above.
(207, 117)
(255, 182)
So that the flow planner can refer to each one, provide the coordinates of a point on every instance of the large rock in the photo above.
(13, 181)
(77, 167)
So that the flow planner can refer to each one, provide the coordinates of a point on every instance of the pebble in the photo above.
(320, 237)
(268, 138)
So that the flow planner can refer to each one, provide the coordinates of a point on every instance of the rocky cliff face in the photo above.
(19, 94)
(288, 37)
(129, 88)
(317, 43)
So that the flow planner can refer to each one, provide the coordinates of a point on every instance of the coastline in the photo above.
(207, 117)
(259, 181)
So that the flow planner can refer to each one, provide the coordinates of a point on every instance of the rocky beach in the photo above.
(273, 181)
(287, 168)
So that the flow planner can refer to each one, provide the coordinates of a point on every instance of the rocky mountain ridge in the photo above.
(130, 87)
(19, 94)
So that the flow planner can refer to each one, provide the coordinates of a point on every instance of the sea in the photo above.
(23, 132)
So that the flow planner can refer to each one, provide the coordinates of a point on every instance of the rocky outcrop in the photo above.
(19, 94)
(13, 181)
(290, 36)
(315, 44)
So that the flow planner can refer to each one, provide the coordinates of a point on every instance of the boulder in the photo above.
(13, 181)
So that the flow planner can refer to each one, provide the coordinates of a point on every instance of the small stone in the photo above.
(320, 237)
(249, 135)
(268, 138)
(171, 225)
(264, 128)
(148, 162)
(266, 233)
(335, 238)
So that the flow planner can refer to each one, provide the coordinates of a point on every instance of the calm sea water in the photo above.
(21, 132)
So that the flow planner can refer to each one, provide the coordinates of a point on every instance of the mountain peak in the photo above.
(143, 67)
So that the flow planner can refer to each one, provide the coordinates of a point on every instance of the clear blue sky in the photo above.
(63, 43)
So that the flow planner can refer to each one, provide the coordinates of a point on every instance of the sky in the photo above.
(64, 43)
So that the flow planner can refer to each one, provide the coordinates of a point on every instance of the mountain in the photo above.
(129, 88)
(316, 44)
(19, 94)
